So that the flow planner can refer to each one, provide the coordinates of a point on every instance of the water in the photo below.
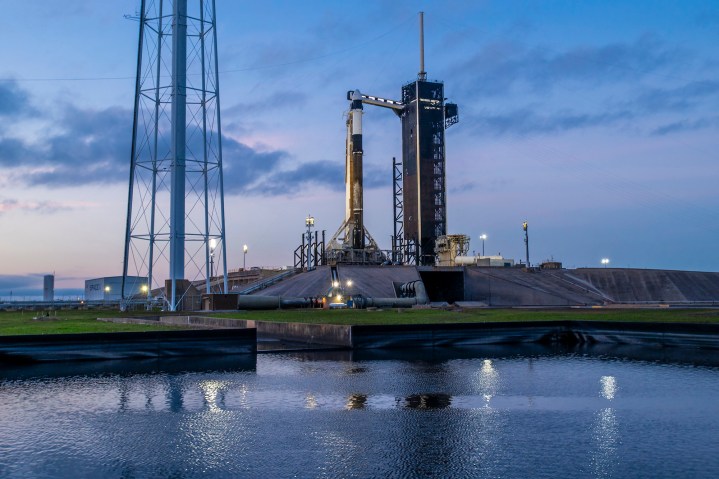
(465, 413)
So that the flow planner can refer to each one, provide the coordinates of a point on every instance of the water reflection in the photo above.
(606, 436)
(310, 401)
(488, 380)
(428, 401)
(410, 417)
(214, 394)
(606, 431)
(356, 401)
(609, 387)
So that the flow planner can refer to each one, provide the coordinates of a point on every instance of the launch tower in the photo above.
(175, 232)
(421, 211)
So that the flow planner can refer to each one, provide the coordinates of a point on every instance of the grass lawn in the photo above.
(64, 322)
(435, 316)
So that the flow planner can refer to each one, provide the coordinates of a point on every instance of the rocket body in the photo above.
(353, 174)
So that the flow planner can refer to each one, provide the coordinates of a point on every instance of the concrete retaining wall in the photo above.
(155, 344)
(190, 322)
(545, 332)
(307, 334)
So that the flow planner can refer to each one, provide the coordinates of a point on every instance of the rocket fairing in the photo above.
(353, 175)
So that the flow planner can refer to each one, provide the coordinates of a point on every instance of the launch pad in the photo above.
(420, 193)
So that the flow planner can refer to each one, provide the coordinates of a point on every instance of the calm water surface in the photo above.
(469, 413)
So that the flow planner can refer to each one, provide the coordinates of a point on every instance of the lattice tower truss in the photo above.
(175, 235)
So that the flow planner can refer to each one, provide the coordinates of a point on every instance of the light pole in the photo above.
(605, 261)
(244, 257)
(309, 222)
(146, 293)
(525, 227)
(213, 245)
(483, 237)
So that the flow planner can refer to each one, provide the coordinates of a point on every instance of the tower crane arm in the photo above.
(377, 101)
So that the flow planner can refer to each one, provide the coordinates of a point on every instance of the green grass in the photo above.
(65, 322)
(434, 316)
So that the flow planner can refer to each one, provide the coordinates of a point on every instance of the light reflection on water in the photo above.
(344, 415)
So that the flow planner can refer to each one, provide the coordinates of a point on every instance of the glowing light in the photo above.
(335, 284)
(349, 282)
(143, 288)
(213, 244)
(107, 289)
(605, 261)
(339, 298)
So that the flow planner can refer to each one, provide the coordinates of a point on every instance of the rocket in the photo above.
(353, 172)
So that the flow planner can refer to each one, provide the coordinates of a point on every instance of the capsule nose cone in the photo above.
(356, 95)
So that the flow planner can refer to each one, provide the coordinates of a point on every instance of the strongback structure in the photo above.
(175, 232)
(421, 202)
(424, 119)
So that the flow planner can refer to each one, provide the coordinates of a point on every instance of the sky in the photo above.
(595, 121)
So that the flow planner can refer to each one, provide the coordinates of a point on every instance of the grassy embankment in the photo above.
(437, 316)
(63, 322)
(66, 322)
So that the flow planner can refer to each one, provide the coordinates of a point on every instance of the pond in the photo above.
(484, 412)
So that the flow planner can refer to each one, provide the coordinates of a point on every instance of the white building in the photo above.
(496, 261)
(110, 288)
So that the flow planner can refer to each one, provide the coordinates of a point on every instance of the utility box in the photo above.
(219, 301)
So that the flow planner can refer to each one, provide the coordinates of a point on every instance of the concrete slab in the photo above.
(370, 281)
(302, 285)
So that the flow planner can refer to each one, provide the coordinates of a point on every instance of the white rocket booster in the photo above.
(353, 172)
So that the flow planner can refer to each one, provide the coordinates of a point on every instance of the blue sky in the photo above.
(595, 121)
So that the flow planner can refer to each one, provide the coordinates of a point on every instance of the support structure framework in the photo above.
(175, 215)
(419, 181)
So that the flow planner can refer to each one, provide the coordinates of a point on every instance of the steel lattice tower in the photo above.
(175, 215)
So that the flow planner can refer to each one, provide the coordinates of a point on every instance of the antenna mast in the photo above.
(422, 74)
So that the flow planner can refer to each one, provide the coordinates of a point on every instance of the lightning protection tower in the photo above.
(175, 232)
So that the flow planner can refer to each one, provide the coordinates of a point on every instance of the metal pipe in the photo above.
(153, 199)
(208, 254)
(178, 132)
(128, 224)
(219, 148)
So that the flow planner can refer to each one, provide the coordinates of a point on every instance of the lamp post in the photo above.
(483, 237)
(309, 222)
(213, 245)
(244, 257)
(605, 261)
(145, 290)
(525, 227)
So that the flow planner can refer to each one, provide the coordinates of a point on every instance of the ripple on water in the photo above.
(299, 417)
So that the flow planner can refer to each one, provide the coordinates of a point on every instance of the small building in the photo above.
(48, 288)
(110, 288)
(496, 261)
(551, 265)
(449, 247)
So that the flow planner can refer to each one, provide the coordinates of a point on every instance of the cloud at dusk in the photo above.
(597, 123)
